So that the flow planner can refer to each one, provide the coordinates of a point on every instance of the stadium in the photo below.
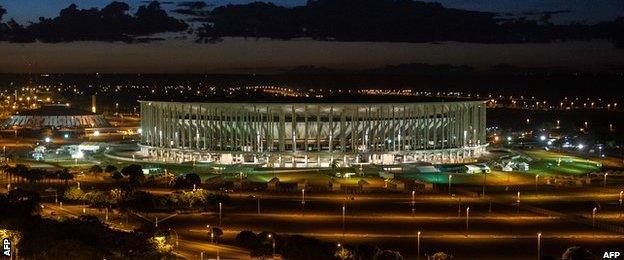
(56, 117)
(313, 134)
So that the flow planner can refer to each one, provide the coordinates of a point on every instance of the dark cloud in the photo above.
(545, 12)
(160, 2)
(111, 23)
(194, 8)
(392, 21)
(193, 4)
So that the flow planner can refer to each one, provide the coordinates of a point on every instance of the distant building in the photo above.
(476, 168)
(522, 166)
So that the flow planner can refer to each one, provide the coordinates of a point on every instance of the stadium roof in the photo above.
(55, 110)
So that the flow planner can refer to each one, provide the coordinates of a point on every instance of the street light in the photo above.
(604, 183)
(594, 221)
(302, 201)
(343, 219)
(536, 181)
(220, 207)
(210, 231)
(621, 192)
(539, 240)
(484, 179)
(467, 218)
(518, 202)
(413, 200)
(449, 183)
(273, 243)
(418, 245)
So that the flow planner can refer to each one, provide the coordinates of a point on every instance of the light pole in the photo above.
(539, 240)
(518, 202)
(484, 179)
(449, 183)
(343, 219)
(273, 243)
(210, 231)
(413, 200)
(536, 181)
(302, 201)
(467, 218)
(594, 221)
(604, 183)
(418, 245)
(220, 210)
(621, 192)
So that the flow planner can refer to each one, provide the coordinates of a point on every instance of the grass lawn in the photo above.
(551, 163)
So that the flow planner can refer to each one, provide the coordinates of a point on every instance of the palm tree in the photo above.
(21, 171)
(65, 175)
(34, 175)
(49, 175)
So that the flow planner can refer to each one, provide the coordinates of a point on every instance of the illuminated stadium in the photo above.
(313, 134)
(56, 116)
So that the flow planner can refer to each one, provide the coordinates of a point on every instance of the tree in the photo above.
(186, 181)
(49, 175)
(366, 251)
(441, 256)
(34, 175)
(343, 253)
(216, 232)
(65, 175)
(247, 239)
(193, 179)
(75, 194)
(116, 175)
(19, 203)
(394, 255)
(20, 171)
(95, 169)
(110, 168)
(577, 253)
(135, 172)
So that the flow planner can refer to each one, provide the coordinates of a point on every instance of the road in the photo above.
(388, 221)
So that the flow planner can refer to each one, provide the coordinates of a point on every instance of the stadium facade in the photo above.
(313, 134)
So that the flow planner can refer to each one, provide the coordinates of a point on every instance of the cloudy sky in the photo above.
(179, 53)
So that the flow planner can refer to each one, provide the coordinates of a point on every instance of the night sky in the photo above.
(179, 53)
